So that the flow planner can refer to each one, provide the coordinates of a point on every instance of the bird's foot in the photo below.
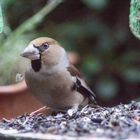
(43, 110)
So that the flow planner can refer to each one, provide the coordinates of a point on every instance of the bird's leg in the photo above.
(42, 110)
(73, 110)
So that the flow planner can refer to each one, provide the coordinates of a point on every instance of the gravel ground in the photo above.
(119, 122)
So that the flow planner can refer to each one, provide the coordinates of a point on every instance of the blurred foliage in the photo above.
(98, 30)
(96, 4)
(1, 20)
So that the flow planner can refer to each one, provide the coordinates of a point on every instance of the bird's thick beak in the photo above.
(31, 52)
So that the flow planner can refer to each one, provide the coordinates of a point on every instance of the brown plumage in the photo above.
(51, 77)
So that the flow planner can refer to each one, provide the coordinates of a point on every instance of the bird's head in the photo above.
(45, 51)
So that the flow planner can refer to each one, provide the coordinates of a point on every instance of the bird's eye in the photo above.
(42, 48)
(45, 46)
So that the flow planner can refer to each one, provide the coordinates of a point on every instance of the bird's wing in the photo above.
(79, 84)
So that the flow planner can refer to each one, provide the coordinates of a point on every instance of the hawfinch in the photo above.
(51, 77)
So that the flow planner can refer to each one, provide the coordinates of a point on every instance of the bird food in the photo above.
(121, 122)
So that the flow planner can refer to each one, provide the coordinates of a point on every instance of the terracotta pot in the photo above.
(16, 100)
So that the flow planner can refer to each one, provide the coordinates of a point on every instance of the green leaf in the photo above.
(96, 4)
(91, 65)
(107, 88)
(132, 75)
(1, 20)
(134, 18)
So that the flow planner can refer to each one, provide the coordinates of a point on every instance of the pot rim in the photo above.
(13, 88)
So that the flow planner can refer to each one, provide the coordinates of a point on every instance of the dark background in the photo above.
(98, 31)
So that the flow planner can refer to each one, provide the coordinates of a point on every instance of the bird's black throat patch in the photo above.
(36, 65)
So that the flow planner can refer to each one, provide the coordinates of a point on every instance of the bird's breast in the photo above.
(53, 90)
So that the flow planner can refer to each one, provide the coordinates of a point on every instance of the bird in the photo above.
(52, 79)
